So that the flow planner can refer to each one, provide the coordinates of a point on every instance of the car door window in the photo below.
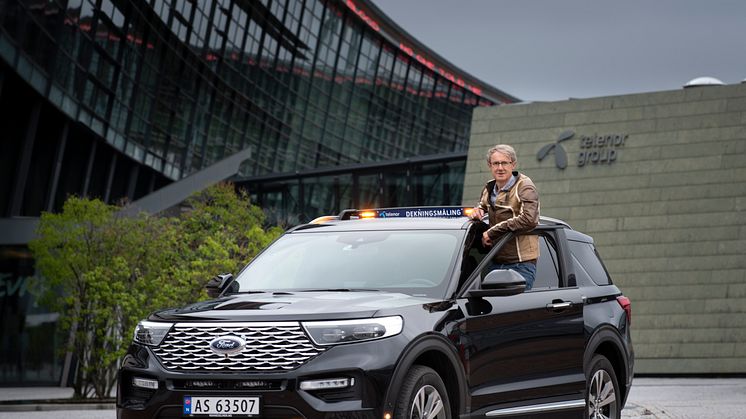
(547, 266)
(474, 252)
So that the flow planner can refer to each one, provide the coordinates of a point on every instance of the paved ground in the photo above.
(651, 398)
(34, 393)
(687, 398)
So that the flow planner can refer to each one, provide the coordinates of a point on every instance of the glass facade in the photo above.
(29, 338)
(290, 199)
(176, 85)
(116, 98)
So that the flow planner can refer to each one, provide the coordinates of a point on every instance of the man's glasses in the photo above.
(501, 163)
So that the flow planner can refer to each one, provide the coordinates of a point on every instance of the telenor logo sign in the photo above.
(594, 149)
(600, 149)
(560, 155)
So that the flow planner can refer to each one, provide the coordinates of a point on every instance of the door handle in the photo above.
(559, 305)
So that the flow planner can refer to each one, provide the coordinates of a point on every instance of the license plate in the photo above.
(221, 406)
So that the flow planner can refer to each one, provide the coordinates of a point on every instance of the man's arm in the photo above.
(481, 208)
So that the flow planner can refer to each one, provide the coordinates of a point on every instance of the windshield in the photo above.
(414, 262)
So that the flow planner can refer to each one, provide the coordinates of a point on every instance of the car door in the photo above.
(522, 348)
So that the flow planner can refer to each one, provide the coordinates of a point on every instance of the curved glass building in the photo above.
(126, 96)
(328, 104)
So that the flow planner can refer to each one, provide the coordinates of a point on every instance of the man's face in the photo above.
(501, 167)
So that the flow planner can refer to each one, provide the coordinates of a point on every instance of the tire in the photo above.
(423, 396)
(603, 398)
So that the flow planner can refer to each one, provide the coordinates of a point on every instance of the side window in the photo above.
(547, 266)
(474, 252)
(588, 263)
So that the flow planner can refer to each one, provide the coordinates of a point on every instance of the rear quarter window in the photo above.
(588, 262)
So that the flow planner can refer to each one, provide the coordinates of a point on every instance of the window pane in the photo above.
(416, 262)
(588, 263)
(547, 267)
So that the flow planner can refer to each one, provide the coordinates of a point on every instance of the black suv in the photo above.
(391, 314)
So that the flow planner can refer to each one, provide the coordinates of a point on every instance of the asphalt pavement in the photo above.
(651, 398)
(687, 398)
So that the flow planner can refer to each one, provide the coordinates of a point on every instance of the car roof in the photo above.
(460, 223)
(410, 219)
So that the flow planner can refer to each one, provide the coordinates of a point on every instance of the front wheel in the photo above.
(423, 396)
(602, 396)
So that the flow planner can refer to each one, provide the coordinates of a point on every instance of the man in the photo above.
(512, 202)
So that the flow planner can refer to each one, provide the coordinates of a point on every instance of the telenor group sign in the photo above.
(594, 149)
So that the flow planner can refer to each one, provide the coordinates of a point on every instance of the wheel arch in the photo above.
(606, 341)
(437, 353)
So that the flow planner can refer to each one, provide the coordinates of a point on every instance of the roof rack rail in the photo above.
(414, 212)
(550, 220)
(345, 214)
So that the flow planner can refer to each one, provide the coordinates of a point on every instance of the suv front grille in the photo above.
(269, 347)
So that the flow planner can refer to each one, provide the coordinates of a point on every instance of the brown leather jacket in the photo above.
(517, 210)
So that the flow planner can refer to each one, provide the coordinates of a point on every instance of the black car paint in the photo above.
(489, 356)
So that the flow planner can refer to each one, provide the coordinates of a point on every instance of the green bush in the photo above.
(104, 272)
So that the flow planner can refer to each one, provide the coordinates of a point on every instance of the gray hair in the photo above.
(504, 149)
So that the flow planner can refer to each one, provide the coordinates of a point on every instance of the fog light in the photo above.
(145, 383)
(327, 384)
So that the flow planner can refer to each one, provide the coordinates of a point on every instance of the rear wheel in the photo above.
(602, 396)
(423, 396)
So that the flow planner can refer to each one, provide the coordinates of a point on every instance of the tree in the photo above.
(104, 272)
(222, 232)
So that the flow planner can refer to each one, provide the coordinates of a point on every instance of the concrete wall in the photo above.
(668, 213)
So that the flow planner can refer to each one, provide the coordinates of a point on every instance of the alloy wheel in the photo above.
(427, 404)
(602, 403)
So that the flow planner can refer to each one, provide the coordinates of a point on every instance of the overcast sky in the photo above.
(541, 50)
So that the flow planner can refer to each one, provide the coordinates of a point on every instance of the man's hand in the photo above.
(477, 213)
(486, 240)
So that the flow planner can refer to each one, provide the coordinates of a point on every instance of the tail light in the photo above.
(627, 306)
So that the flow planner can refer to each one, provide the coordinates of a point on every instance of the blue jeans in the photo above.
(527, 269)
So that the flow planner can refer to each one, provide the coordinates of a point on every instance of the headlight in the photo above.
(350, 331)
(151, 333)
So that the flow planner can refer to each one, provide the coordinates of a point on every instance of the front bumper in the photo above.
(368, 363)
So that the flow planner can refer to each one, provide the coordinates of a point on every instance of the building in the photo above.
(659, 180)
(314, 105)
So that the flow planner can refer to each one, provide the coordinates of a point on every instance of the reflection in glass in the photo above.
(307, 85)
(413, 262)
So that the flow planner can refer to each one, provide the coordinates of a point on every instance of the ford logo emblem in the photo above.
(226, 345)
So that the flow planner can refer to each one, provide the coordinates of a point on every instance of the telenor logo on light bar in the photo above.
(437, 212)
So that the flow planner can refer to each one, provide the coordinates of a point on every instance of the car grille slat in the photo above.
(268, 348)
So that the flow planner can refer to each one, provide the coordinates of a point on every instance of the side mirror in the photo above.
(218, 284)
(500, 282)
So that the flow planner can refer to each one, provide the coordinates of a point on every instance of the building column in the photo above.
(24, 163)
(132, 184)
(59, 155)
(110, 177)
(89, 168)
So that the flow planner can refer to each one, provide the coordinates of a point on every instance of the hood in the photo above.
(286, 306)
